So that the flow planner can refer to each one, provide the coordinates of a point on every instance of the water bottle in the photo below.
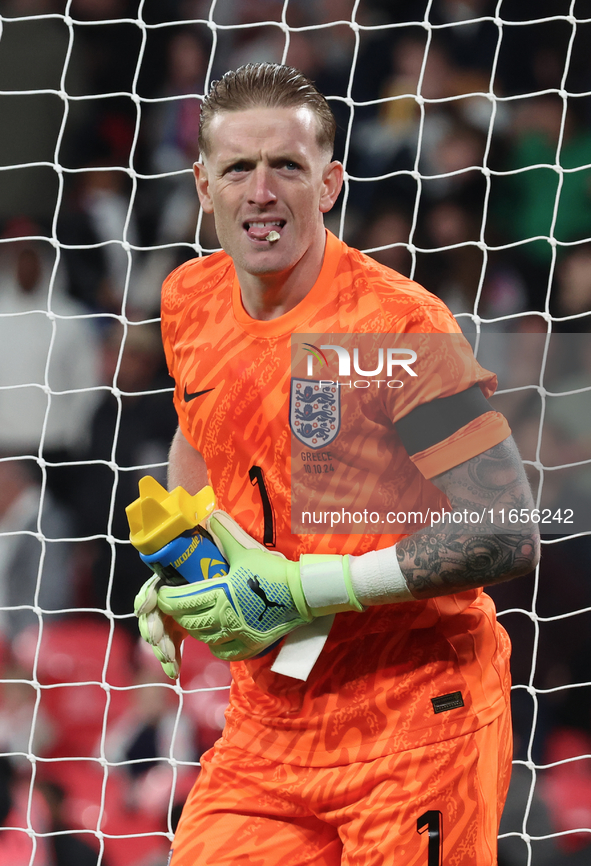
(165, 529)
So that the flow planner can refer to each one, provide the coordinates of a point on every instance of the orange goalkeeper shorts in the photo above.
(435, 805)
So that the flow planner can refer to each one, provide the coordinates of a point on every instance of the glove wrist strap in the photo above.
(326, 584)
(377, 578)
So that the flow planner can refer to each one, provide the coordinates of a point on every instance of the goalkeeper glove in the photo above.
(263, 597)
(164, 635)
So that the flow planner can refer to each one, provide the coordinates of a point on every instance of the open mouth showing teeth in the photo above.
(261, 230)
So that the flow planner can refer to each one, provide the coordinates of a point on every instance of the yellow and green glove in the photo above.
(263, 597)
(164, 635)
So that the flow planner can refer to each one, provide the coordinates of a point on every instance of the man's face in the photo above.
(266, 172)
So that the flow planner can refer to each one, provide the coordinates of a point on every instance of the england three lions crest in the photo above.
(314, 412)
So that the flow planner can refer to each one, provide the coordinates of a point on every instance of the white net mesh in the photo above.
(465, 130)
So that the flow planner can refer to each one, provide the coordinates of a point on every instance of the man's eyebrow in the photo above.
(235, 160)
(286, 157)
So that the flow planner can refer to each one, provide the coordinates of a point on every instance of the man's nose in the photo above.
(262, 190)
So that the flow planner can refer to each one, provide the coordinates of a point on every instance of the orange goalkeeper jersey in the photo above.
(395, 676)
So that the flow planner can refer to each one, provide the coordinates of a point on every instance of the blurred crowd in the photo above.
(97, 205)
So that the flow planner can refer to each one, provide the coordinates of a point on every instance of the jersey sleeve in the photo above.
(195, 311)
(176, 291)
(439, 434)
(170, 311)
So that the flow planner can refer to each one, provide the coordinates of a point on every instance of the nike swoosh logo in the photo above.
(188, 397)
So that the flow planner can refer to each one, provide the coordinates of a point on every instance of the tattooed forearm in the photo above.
(443, 562)
(456, 556)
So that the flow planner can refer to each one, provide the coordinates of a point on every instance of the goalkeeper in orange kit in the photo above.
(369, 709)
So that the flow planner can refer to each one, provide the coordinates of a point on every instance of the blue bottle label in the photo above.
(190, 557)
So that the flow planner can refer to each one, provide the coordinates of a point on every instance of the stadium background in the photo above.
(483, 199)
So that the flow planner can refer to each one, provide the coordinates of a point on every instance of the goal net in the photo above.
(465, 130)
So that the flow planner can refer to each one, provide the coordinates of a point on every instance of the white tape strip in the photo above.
(377, 578)
(323, 583)
(301, 648)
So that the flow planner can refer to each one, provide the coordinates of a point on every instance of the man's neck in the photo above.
(268, 296)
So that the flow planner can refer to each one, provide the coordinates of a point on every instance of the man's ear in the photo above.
(332, 183)
(202, 184)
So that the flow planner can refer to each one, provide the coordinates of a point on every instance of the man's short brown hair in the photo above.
(266, 85)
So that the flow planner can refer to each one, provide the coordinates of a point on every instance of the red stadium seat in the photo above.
(73, 651)
(566, 788)
(123, 826)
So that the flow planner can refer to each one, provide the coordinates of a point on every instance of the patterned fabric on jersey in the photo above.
(365, 468)
(246, 809)
(371, 691)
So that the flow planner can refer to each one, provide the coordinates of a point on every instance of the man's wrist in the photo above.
(326, 584)
(377, 578)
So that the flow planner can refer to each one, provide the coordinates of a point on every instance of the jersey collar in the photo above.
(290, 321)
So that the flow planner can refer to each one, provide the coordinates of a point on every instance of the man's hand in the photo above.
(164, 635)
(260, 600)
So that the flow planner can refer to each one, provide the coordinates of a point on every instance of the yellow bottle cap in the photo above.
(157, 516)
